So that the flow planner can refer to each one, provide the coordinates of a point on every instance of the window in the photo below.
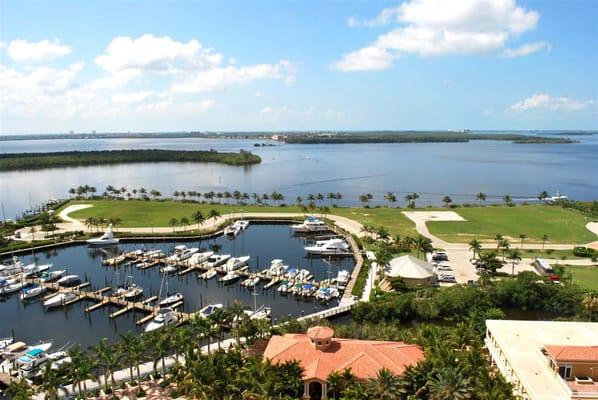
(565, 371)
(319, 343)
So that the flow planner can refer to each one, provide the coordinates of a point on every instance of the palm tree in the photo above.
(449, 384)
(72, 192)
(410, 199)
(299, 200)
(51, 382)
(498, 237)
(331, 196)
(391, 198)
(237, 312)
(365, 199)
(523, 236)
(185, 221)
(423, 245)
(514, 256)
(89, 222)
(214, 214)
(544, 239)
(198, 218)
(447, 201)
(382, 233)
(20, 389)
(115, 222)
(128, 346)
(80, 367)
(319, 197)
(175, 194)
(108, 359)
(475, 246)
(480, 197)
(385, 386)
(173, 223)
(508, 200)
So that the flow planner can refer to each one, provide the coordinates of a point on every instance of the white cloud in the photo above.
(222, 77)
(527, 49)
(267, 110)
(158, 54)
(439, 27)
(551, 103)
(23, 51)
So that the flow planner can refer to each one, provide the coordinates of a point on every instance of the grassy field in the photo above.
(561, 225)
(585, 277)
(136, 213)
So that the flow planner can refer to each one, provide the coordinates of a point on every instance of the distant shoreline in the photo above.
(299, 136)
(30, 161)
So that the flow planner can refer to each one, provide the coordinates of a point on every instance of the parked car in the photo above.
(439, 256)
(444, 268)
(447, 278)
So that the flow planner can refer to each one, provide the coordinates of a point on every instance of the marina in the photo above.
(93, 308)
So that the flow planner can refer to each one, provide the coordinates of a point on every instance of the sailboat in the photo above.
(107, 239)
(170, 299)
(129, 290)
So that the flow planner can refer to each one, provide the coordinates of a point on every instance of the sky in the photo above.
(119, 66)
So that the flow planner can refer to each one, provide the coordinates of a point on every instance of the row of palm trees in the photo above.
(100, 222)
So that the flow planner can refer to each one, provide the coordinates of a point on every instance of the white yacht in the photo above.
(11, 269)
(32, 270)
(169, 269)
(32, 291)
(304, 275)
(209, 274)
(11, 288)
(59, 299)
(165, 317)
(310, 225)
(557, 197)
(216, 260)
(235, 263)
(130, 291)
(172, 299)
(107, 239)
(250, 282)
(209, 310)
(329, 247)
(69, 280)
(236, 227)
(230, 277)
(277, 268)
(51, 276)
(182, 253)
(342, 278)
(200, 258)
(327, 294)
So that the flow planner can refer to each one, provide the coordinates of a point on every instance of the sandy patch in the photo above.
(592, 227)
(424, 216)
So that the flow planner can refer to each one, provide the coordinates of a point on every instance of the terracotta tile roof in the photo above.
(573, 353)
(320, 332)
(364, 357)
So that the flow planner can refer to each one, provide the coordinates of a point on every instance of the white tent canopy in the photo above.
(410, 267)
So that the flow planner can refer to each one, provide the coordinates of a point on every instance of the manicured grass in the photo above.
(585, 277)
(548, 254)
(138, 213)
(391, 218)
(561, 225)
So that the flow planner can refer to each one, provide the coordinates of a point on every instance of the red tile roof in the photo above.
(320, 332)
(573, 353)
(364, 357)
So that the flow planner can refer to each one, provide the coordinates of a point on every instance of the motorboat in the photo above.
(342, 278)
(216, 260)
(304, 275)
(264, 312)
(69, 280)
(307, 290)
(209, 310)
(169, 269)
(200, 258)
(33, 270)
(235, 228)
(235, 263)
(11, 269)
(291, 273)
(130, 291)
(172, 299)
(182, 253)
(209, 274)
(557, 197)
(310, 225)
(5, 342)
(165, 317)
(250, 282)
(153, 254)
(5, 280)
(284, 287)
(32, 291)
(59, 299)
(51, 276)
(107, 239)
(327, 294)
(329, 247)
(277, 268)
(28, 362)
(12, 288)
(230, 277)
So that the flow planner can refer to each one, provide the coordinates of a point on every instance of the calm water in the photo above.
(432, 170)
(262, 242)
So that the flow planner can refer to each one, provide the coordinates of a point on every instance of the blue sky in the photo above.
(266, 65)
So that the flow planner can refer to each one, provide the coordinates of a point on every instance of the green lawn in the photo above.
(585, 277)
(561, 225)
(391, 218)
